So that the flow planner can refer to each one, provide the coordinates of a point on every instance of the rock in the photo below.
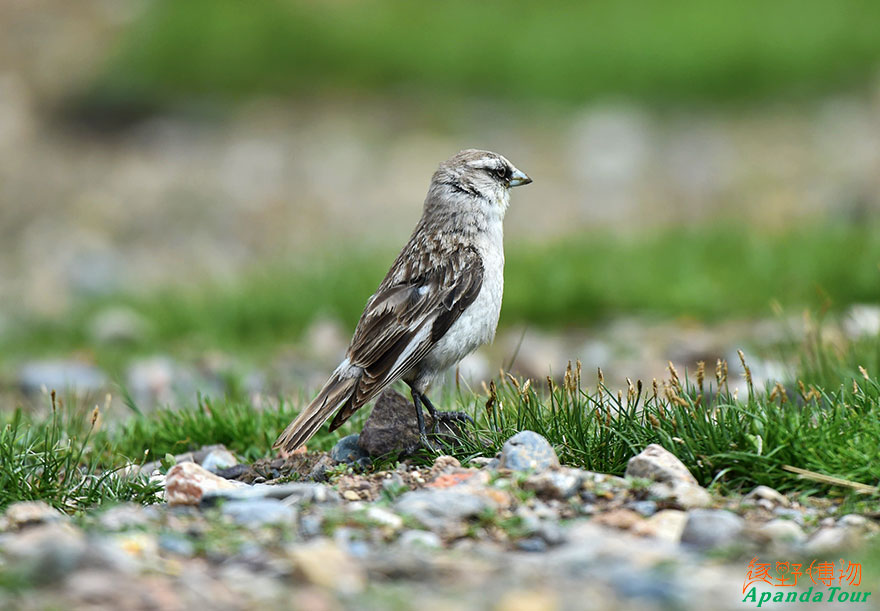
(658, 464)
(484, 462)
(561, 483)
(176, 544)
(528, 451)
(124, 516)
(348, 451)
(782, 530)
(48, 552)
(351, 495)
(709, 528)
(384, 517)
(858, 523)
(324, 564)
(73, 376)
(150, 380)
(683, 495)
(292, 493)
(619, 518)
(394, 485)
(529, 600)
(218, 460)
(117, 325)
(392, 428)
(257, 512)
(187, 482)
(645, 508)
(826, 540)
(420, 538)
(442, 510)
(27, 513)
(319, 471)
(862, 320)
(768, 494)
(790, 514)
(667, 525)
(532, 544)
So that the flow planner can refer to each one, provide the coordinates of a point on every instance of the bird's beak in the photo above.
(519, 178)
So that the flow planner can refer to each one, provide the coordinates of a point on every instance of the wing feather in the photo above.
(406, 317)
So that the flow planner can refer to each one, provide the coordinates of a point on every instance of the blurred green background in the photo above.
(188, 178)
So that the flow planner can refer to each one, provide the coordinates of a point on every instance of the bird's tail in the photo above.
(336, 391)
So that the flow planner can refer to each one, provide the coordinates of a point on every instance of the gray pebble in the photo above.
(645, 508)
(257, 512)
(348, 451)
(527, 451)
(709, 528)
(420, 538)
(532, 544)
(171, 542)
(440, 509)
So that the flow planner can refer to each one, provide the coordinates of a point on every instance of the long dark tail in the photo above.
(336, 391)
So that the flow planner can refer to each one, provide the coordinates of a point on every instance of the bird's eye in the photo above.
(501, 172)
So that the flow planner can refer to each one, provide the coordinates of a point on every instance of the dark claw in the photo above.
(453, 417)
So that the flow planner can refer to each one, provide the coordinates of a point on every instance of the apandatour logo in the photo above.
(827, 583)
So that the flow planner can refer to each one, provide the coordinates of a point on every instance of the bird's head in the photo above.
(483, 175)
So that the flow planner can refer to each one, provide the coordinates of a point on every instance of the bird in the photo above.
(439, 301)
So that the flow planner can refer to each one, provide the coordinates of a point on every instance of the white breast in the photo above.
(476, 325)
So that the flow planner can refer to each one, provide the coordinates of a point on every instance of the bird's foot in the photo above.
(452, 417)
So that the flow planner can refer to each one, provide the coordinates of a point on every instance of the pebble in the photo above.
(441, 510)
(645, 508)
(117, 325)
(257, 512)
(832, 539)
(658, 464)
(420, 538)
(528, 451)
(324, 564)
(682, 494)
(561, 483)
(709, 528)
(61, 376)
(384, 517)
(768, 494)
(218, 460)
(666, 525)
(783, 530)
(176, 544)
(186, 483)
(532, 544)
(790, 514)
(27, 513)
(292, 493)
(124, 516)
(348, 451)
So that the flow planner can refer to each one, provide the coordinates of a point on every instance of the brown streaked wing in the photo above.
(429, 302)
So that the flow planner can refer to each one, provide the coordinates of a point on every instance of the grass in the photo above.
(697, 273)
(827, 426)
(567, 51)
(58, 460)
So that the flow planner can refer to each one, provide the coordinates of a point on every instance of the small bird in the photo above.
(439, 301)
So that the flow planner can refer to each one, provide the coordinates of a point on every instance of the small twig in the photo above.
(834, 481)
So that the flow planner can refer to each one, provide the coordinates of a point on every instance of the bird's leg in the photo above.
(437, 416)
(431, 410)
(420, 417)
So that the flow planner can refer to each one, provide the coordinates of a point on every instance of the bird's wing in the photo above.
(409, 313)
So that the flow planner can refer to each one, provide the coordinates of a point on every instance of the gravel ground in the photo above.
(482, 536)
